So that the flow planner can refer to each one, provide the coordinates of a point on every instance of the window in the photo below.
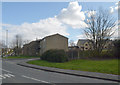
(86, 44)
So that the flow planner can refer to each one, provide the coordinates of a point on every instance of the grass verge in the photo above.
(103, 66)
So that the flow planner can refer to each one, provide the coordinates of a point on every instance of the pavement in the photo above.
(96, 75)
(13, 73)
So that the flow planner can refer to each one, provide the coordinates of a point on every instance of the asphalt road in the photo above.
(13, 73)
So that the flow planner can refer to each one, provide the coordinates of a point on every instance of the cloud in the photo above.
(73, 16)
(114, 8)
(31, 31)
(82, 36)
(111, 9)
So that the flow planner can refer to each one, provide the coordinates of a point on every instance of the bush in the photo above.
(93, 54)
(55, 56)
(116, 48)
(88, 54)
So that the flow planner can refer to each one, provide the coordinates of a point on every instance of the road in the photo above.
(13, 73)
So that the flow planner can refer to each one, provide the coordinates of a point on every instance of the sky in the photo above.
(35, 20)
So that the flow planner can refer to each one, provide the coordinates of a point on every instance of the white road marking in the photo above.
(35, 79)
(5, 70)
(11, 75)
(4, 76)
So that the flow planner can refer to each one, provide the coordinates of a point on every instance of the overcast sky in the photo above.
(39, 19)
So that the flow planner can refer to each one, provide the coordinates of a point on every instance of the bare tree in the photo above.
(71, 43)
(100, 28)
(18, 44)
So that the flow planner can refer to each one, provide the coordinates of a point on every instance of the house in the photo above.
(84, 44)
(31, 49)
(38, 47)
(55, 41)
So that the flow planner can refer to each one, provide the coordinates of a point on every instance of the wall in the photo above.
(54, 42)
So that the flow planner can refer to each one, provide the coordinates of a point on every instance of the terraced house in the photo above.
(38, 47)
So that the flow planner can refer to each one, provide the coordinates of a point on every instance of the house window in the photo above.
(86, 48)
(86, 44)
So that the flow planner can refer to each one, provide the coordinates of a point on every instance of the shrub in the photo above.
(55, 56)
(94, 54)
(106, 54)
(116, 48)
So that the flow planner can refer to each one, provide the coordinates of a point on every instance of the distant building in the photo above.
(84, 44)
(38, 47)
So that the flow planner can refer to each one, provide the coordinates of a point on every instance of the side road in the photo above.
(96, 75)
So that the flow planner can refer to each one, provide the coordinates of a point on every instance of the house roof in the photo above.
(44, 38)
(82, 41)
(32, 42)
(54, 35)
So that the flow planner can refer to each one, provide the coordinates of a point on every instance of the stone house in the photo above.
(38, 47)
(55, 41)
(31, 49)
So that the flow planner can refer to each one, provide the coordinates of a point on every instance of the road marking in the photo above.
(5, 70)
(4, 76)
(11, 75)
(35, 79)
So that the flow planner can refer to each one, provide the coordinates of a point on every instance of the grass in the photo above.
(19, 57)
(102, 66)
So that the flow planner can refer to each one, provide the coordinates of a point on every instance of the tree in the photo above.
(71, 43)
(18, 44)
(100, 29)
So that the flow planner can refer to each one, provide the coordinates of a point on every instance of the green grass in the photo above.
(102, 66)
(19, 57)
